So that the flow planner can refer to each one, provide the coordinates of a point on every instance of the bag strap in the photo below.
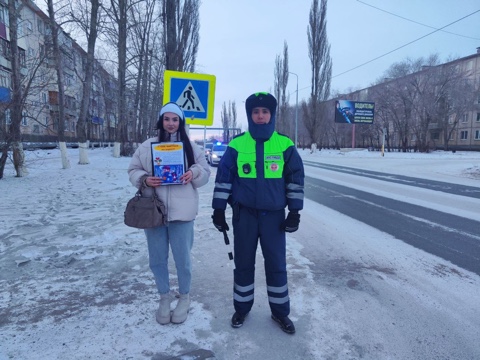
(143, 186)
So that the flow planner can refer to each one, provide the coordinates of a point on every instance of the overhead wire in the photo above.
(400, 47)
(409, 43)
(416, 22)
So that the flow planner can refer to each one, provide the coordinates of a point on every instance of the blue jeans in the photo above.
(179, 236)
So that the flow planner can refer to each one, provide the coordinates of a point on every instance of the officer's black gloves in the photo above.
(219, 220)
(291, 222)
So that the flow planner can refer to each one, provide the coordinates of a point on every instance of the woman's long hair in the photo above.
(181, 135)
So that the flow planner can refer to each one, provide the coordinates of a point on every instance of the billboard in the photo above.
(354, 112)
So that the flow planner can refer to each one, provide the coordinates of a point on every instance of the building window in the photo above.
(463, 135)
(5, 49)
(19, 28)
(435, 135)
(69, 79)
(43, 75)
(4, 15)
(477, 134)
(465, 117)
(36, 129)
(28, 26)
(478, 116)
(68, 61)
(23, 59)
(24, 119)
(5, 79)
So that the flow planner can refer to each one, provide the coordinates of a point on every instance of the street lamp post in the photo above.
(296, 111)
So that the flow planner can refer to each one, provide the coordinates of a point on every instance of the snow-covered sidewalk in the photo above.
(75, 281)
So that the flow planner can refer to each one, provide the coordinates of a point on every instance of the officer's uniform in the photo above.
(260, 174)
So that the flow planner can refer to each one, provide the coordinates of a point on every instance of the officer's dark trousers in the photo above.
(250, 225)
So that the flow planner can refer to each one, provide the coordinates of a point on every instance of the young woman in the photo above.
(181, 201)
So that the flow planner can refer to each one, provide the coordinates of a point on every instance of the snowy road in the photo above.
(447, 235)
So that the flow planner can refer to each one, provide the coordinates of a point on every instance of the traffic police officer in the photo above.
(260, 174)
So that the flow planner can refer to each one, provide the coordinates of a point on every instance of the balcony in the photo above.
(5, 95)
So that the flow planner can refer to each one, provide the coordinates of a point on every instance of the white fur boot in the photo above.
(163, 312)
(181, 311)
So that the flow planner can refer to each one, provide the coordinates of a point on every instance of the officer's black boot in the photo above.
(238, 319)
(285, 323)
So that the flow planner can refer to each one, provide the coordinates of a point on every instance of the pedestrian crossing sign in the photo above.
(194, 93)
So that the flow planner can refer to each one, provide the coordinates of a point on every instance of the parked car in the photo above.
(216, 154)
(208, 149)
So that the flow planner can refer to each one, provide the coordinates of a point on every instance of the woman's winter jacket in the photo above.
(181, 200)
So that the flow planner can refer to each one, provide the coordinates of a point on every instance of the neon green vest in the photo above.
(273, 161)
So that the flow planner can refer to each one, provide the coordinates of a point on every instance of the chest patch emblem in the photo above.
(246, 168)
(273, 167)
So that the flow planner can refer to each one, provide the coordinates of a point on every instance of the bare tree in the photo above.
(139, 61)
(459, 98)
(57, 53)
(446, 93)
(280, 85)
(421, 98)
(17, 98)
(86, 15)
(144, 50)
(181, 21)
(319, 54)
(233, 115)
(397, 99)
(21, 107)
(229, 120)
(117, 12)
(225, 121)
(156, 98)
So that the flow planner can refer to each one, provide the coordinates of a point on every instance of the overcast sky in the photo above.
(239, 41)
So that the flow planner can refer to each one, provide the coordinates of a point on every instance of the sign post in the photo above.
(383, 141)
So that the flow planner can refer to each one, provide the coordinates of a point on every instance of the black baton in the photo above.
(227, 242)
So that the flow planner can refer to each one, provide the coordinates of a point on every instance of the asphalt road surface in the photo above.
(448, 236)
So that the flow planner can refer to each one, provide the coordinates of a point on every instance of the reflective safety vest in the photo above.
(271, 159)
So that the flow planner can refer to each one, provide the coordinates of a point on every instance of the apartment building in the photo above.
(447, 118)
(40, 120)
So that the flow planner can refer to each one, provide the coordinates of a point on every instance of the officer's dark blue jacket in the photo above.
(266, 175)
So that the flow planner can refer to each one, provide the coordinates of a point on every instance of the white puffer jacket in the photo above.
(181, 200)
